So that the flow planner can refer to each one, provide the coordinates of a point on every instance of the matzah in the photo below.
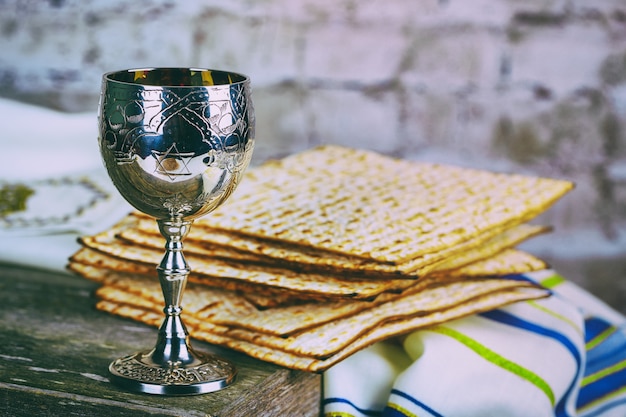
(278, 278)
(219, 335)
(215, 243)
(121, 256)
(361, 203)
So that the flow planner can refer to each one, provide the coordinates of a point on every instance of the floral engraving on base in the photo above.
(132, 367)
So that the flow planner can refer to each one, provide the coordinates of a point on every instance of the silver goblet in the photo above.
(175, 142)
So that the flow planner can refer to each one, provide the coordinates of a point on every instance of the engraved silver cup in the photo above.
(175, 142)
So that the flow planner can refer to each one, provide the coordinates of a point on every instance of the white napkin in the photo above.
(560, 356)
(40, 143)
(56, 155)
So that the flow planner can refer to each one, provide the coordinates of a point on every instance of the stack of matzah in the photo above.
(328, 251)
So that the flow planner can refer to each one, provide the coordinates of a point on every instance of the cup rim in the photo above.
(238, 78)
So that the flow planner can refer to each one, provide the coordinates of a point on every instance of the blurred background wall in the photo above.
(530, 86)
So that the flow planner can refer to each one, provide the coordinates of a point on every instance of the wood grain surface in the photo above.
(55, 349)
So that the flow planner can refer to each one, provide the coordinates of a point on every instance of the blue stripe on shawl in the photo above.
(511, 320)
(599, 412)
(595, 326)
(391, 412)
(327, 401)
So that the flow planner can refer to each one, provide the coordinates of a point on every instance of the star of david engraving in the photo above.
(172, 163)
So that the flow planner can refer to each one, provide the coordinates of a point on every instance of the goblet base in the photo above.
(139, 373)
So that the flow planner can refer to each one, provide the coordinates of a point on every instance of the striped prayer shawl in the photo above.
(564, 356)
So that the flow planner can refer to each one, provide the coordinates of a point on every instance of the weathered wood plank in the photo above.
(55, 349)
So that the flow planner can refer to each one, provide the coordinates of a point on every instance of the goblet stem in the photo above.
(173, 367)
(173, 341)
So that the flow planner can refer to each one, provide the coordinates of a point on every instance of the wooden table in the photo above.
(55, 349)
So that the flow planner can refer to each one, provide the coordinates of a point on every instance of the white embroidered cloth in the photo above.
(56, 156)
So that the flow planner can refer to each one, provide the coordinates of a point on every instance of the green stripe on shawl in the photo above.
(556, 315)
(497, 359)
(600, 338)
(552, 281)
(603, 373)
